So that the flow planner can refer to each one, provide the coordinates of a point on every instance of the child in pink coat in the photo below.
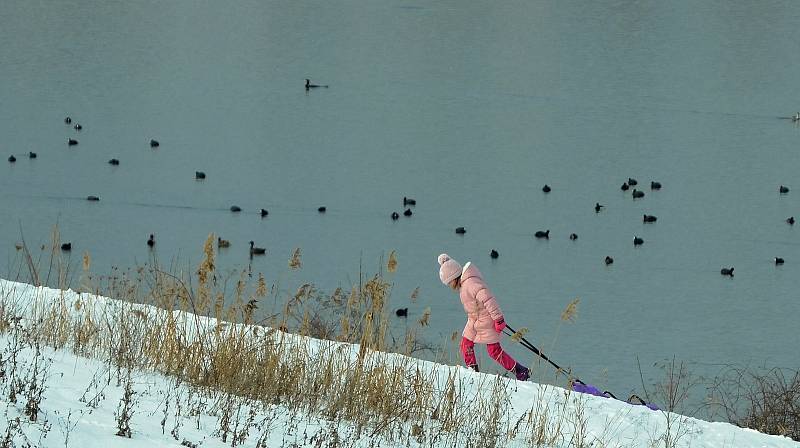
(485, 321)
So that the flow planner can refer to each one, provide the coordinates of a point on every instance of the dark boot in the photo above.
(521, 372)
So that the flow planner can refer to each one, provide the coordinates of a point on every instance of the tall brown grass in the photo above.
(202, 330)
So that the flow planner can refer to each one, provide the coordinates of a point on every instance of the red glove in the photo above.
(499, 325)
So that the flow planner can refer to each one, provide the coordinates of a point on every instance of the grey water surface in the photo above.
(470, 107)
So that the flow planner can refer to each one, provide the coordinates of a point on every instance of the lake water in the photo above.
(468, 107)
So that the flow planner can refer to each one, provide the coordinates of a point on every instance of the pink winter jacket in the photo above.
(481, 307)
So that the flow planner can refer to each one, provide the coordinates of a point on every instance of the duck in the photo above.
(402, 312)
(395, 216)
(632, 181)
(154, 143)
(624, 186)
(655, 185)
(778, 260)
(32, 155)
(223, 243)
(78, 126)
(12, 159)
(796, 117)
(637, 241)
(313, 86)
(461, 230)
(409, 201)
(199, 175)
(264, 212)
(408, 212)
(151, 241)
(66, 247)
(114, 162)
(256, 250)
(235, 208)
(542, 234)
(608, 260)
(649, 218)
(546, 188)
(598, 207)
(573, 236)
(727, 271)
(67, 120)
(92, 198)
(71, 142)
(322, 209)
(637, 194)
(493, 253)
(790, 220)
(783, 189)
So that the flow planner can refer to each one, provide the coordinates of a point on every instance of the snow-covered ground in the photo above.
(82, 400)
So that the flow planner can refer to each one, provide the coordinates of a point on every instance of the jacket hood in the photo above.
(470, 270)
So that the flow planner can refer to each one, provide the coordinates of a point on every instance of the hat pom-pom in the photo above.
(443, 258)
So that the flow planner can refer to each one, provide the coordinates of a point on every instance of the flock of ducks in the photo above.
(200, 175)
(637, 241)
(408, 202)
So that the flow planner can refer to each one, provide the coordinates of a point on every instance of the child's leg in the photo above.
(468, 351)
(498, 354)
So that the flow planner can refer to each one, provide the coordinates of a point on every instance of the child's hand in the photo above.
(499, 325)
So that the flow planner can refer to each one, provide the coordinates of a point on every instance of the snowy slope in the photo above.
(82, 399)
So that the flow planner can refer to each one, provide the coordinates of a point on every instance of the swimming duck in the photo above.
(649, 218)
(264, 212)
(542, 234)
(66, 247)
(637, 241)
(573, 236)
(68, 120)
(632, 181)
(256, 250)
(78, 126)
(624, 186)
(223, 243)
(312, 86)
(546, 188)
(608, 260)
(409, 201)
(727, 271)
(32, 155)
(655, 185)
(461, 230)
(407, 212)
(402, 312)
(114, 162)
(12, 159)
(598, 207)
(199, 175)
(235, 208)
(778, 260)
(790, 220)
(493, 253)
(154, 143)
(395, 216)
(637, 194)
(151, 241)
(783, 189)
(92, 198)
(322, 209)
(71, 142)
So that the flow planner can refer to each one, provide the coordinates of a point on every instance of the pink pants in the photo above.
(495, 351)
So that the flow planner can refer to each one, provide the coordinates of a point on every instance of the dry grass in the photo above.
(202, 331)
